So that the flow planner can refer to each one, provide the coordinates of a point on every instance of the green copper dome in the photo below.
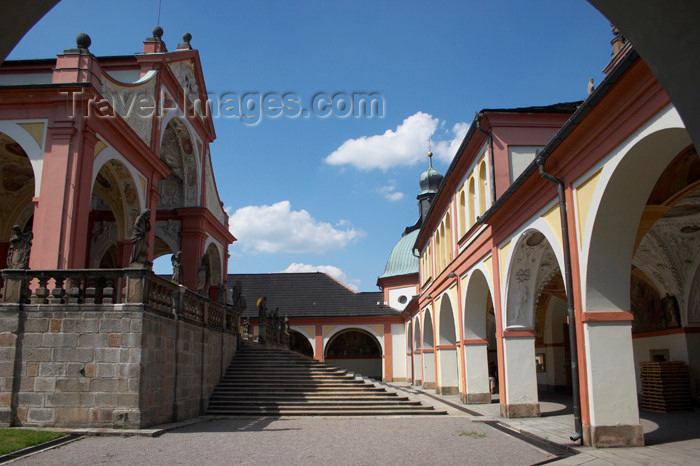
(401, 260)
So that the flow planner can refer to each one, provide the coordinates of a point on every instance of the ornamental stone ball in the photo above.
(83, 41)
(186, 37)
(158, 32)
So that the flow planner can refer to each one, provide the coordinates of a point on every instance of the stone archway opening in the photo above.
(480, 351)
(356, 350)
(114, 206)
(665, 278)
(299, 343)
(640, 266)
(417, 356)
(428, 352)
(16, 191)
(534, 285)
(448, 383)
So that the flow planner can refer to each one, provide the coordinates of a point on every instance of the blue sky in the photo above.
(334, 193)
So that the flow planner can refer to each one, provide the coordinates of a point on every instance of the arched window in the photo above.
(472, 202)
(448, 240)
(462, 214)
(482, 188)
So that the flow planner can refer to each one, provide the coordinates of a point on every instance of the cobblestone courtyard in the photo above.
(359, 441)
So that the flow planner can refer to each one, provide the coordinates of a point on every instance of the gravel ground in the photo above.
(270, 441)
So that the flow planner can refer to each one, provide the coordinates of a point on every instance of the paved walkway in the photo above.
(469, 434)
(672, 438)
(421, 440)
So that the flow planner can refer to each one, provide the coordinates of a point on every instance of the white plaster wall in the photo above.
(417, 367)
(675, 344)
(396, 293)
(612, 388)
(449, 374)
(521, 380)
(477, 368)
(428, 367)
(398, 351)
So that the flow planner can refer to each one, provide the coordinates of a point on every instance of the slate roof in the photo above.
(308, 295)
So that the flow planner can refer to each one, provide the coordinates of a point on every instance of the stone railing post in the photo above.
(15, 285)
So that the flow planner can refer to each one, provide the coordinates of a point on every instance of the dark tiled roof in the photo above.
(307, 295)
(563, 107)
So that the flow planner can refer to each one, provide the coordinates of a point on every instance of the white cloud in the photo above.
(277, 228)
(390, 193)
(335, 272)
(446, 149)
(404, 146)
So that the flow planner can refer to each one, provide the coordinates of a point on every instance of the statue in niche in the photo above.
(139, 240)
(522, 276)
(176, 260)
(203, 276)
(20, 246)
(671, 311)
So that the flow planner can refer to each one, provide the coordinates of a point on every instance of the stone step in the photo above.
(244, 411)
(315, 403)
(264, 382)
(234, 398)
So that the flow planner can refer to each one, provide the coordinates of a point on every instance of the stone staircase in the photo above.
(266, 382)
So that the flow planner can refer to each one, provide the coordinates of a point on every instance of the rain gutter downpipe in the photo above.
(489, 136)
(569, 299)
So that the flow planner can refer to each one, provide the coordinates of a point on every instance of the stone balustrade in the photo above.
(115, 286)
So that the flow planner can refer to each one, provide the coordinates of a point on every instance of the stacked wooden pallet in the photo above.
(665, 386)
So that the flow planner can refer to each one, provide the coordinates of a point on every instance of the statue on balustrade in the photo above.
(246, 326)
(285, 325)
(276, 319)
(176, 259)
(203, 276)
(237, 299)
(262, 311)
(20, 246)
(139, 240)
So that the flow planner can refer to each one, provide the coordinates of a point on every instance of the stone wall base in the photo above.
(613, 436)
(447, 390)
(5, 417)
(520, 410)
(428, 385)
(395, 379)
(418, 383)
(475, 398)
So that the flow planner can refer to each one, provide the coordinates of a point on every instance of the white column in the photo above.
(612, 387)
(521, 378)
(477, 374)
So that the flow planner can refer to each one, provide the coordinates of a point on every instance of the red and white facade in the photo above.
(492, 304)
(88, 143)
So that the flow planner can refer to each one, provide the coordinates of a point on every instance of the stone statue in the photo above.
(262, 311)
(177, 267)
(203, 276)
(285, 325)
(246, 326)
(20, 245)
(276, 319)
(237, 299)
(139, 240)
